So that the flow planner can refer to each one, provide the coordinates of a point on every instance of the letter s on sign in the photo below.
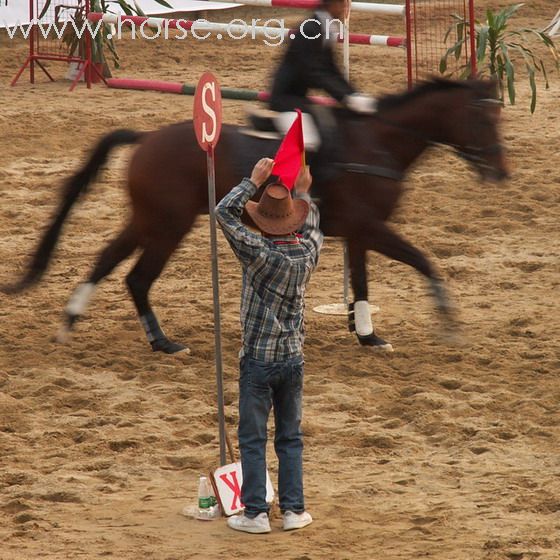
(209, 87)
(207, 111)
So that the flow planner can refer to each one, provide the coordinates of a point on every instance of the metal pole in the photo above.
(346, 45)
(89, 45)
(346, 59)
(216, 290)
(472, 38)
(409, 62)
(32, 43)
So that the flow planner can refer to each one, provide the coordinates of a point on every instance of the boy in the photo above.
(276, 265)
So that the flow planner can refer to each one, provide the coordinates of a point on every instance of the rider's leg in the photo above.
(329, 152)
(320, 159)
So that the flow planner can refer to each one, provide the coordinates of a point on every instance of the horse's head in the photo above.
(457, 113)
(474, 129)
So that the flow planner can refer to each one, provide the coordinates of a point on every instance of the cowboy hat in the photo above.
(277, 213)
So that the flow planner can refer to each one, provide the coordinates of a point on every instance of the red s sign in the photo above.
(207, 112)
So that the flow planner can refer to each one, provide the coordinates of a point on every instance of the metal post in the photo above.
(89, 46)
(408, 19)
(346, 46)
(472, 38)
(346, 284)
(32, 43)
(346, 59)
(216, 291)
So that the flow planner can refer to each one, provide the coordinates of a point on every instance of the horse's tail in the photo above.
(74, 186)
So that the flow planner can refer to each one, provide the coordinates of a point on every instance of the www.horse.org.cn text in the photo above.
(273, 31)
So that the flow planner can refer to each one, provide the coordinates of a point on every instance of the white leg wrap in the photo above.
(311, 138)
(80, 298)
(362, 318)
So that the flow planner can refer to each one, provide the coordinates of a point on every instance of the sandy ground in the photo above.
(437, 451)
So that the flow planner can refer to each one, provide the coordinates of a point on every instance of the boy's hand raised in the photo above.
(262, 170)
(303, 181)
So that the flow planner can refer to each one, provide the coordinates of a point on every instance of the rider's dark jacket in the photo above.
(308, 63)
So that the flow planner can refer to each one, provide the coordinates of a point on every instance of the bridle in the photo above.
(475, 155)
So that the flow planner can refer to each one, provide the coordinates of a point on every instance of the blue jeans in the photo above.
(261, 386)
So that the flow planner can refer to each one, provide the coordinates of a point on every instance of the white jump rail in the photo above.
(368, 7)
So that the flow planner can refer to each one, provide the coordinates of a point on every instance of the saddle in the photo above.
(265, 130)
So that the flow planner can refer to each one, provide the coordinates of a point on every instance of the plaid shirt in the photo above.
(275, 275)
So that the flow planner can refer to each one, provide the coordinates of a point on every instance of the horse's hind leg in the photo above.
(140, 280)
(114, 253)
(359, 316)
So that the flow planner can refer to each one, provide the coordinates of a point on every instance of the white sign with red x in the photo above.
(228, 480)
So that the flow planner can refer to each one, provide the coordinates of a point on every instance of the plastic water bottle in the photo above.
(208, 507)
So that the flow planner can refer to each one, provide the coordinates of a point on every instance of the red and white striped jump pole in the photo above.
(247, 30)
(368, 7)
(187, 89)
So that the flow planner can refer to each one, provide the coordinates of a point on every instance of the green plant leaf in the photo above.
(510, 10)
(482, 43)
(490, 18)
(545, 75)
(547, 41)
(533, 85)
(454, 50)
(526, 53)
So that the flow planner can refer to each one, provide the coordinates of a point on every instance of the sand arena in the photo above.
(438, 451)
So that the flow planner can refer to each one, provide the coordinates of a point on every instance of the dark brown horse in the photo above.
(168, 189)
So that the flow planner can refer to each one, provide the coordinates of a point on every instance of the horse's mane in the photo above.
(432, 85)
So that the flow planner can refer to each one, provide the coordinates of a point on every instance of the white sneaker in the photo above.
(293, 520)
(258, 524)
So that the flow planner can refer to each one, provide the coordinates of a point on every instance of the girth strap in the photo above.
(376, 170)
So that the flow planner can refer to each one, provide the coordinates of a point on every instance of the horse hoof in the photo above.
(168, 347)
(63, 335)
(375, 343)
(449, 318)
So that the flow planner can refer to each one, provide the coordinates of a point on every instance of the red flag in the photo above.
(290, 156)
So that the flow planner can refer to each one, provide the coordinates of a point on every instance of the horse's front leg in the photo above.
(359, 316)
(378, 236)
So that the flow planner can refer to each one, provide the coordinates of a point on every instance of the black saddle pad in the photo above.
(247, 150)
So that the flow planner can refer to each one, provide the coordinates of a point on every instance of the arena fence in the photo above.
(426, 24)
(50, 47)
